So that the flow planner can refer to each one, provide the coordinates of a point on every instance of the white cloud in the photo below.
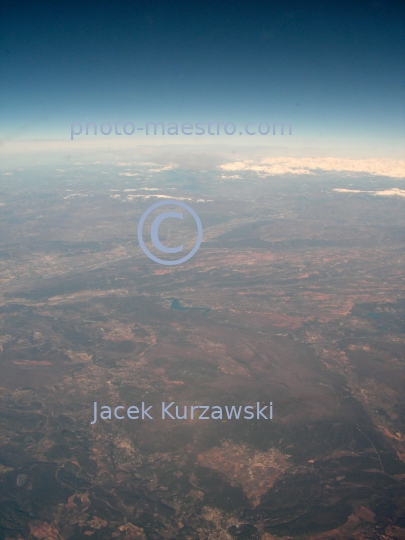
(168, 167)
(142, 196)
(393, 192)
(156, 196)
(142, 189)
(289, 165)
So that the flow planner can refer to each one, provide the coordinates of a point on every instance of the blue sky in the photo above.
(334, 70)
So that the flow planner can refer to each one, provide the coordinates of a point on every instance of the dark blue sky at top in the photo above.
(318, 64)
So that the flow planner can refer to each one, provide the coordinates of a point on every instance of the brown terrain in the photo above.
(296, 296)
